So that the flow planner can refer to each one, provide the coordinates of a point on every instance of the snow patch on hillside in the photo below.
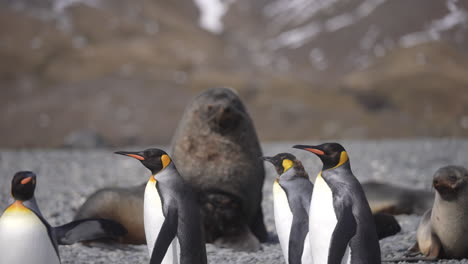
(457, 16)
(284, 13)
(212, 13)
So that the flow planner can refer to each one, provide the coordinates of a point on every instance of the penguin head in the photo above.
(154, 159)
(331, 154)
(283, 162)
(23, 185)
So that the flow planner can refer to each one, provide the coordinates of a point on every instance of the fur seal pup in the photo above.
(216, 149)
(442, 230)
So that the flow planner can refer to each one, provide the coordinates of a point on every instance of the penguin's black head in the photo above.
(154, 159)
(23, 185)
(331, 154)
(282, 162)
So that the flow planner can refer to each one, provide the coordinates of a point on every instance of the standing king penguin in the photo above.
(172, 221)
(340, 217)
(26, 237)
(292, 192)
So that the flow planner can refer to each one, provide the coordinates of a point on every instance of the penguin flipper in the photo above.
(299, 231)
(165, 237)
(344, 230)
(88, 229)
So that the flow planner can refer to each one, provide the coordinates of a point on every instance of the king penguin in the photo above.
(292, 192)
(26, 237)
(340, 217)
(172, 218)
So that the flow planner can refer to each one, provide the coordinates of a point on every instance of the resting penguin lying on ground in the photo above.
(26, 237)
(216, 150)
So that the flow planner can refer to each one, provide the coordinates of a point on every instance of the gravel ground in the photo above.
(67, 177)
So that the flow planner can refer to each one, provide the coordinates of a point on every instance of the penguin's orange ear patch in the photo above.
(26, 180)
(316, 151)
(138, 157)
(165, 159)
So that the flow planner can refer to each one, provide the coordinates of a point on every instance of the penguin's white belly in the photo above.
(322, 222)
(153, 221)
(307, 257)
(24, 239)
(283, 218)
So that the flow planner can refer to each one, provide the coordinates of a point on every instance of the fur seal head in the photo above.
(220, 109)
(448, 181)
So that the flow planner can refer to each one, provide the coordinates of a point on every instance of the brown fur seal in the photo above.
(442, 230)
(392, 199)
(217, 150)
(124, 205)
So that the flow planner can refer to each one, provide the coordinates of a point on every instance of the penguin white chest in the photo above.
(322, 220)
(24, 238)
(153, 221)
(283, 217)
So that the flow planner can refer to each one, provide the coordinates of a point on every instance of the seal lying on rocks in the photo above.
(215, 149)
(394, 200)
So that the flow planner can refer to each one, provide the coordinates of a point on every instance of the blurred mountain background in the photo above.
(120, 72)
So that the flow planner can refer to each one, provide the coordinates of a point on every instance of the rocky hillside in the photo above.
(124, 70)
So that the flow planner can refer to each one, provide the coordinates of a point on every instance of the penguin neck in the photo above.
(326, 172)
(167, 172)
(289, 174)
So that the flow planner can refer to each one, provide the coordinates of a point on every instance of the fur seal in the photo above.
(123, 205)
(391, 199)
(216, 149)
(442, 230)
